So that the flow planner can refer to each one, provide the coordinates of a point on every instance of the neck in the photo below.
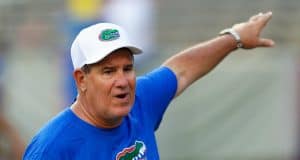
(84, 113)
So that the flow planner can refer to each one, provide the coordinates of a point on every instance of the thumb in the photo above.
(266, 42)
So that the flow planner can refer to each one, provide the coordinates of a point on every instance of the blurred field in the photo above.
(244, 109)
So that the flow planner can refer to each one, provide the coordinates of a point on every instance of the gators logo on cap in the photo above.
(109, 35)
(134, 152)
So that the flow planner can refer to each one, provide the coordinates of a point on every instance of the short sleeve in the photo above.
(155, 90)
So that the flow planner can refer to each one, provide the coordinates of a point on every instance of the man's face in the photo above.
(110, 86)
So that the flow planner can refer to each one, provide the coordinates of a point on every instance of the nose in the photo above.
(121, 81)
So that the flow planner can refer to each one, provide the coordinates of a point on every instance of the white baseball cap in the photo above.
(95, 42)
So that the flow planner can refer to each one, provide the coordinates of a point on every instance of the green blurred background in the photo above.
(245, 109)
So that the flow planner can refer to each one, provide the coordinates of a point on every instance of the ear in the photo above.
(80, 80)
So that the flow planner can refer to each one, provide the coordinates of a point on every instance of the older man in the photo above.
(115, 114)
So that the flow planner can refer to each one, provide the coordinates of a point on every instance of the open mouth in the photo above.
(122, 96)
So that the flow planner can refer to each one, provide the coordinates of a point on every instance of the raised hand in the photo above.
(250, 31)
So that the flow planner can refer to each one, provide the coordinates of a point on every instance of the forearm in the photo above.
(196, 61)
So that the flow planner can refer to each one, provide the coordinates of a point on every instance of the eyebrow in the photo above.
(129, 65)
(108, 67)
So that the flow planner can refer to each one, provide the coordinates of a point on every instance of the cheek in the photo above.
(132, 92)
(132, 83)
(100, 89)
(101, 97)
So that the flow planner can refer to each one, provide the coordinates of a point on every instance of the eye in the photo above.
(128, 68)
(108, 71)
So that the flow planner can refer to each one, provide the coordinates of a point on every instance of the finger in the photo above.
(266, 42)
(264, 18)
(253, 18)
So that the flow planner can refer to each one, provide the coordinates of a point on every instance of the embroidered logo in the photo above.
(109, 35)
(134, 152)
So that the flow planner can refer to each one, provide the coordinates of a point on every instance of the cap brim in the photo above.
(132, 48)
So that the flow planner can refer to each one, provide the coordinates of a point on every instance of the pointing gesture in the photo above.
(250, 31)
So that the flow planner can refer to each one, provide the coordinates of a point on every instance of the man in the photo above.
(115, 114)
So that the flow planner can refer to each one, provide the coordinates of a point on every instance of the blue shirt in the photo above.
(68, 137)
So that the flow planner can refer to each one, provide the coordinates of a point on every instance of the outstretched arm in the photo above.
(196, 61)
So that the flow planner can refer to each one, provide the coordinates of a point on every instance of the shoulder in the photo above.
(162, 70)
(157, 76)
(53, 138)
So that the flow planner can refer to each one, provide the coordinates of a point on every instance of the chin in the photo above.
(123, 110)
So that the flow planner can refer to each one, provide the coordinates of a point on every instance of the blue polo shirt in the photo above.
(67, 137)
